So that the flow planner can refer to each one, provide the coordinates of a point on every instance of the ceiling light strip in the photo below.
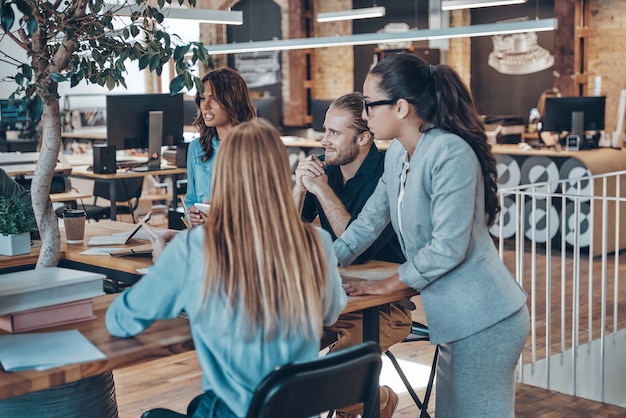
(489, 29)
(224, 17)
(470, 4)
(365, 13)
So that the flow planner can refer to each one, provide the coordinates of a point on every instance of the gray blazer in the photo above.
(452, 261)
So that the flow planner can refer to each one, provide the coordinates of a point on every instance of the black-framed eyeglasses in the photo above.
(367, 105)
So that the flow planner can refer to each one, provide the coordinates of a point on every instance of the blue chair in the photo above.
(419, 332)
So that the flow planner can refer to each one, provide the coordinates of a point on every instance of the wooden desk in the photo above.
(164, 338)
(17, 164)
(69, 196)
(82, 172)
(20, 262)
(119, 269)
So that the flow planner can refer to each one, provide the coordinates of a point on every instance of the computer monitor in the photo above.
(574, 115)
(13, 117)
(128, 119)
(268, 108)
(190, 111)
(318, 113)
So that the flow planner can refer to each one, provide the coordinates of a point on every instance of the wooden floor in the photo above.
(174, 381)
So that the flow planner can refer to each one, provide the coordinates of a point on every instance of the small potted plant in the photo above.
(16, 224)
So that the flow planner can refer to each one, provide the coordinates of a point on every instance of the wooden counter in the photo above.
(517, 166)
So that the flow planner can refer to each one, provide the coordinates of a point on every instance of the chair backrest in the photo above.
(127, 190)
(335, 381)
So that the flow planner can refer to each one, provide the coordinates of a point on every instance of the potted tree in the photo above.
(16, 224)
(75, 40)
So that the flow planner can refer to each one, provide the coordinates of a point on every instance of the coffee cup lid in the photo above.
(73, 213)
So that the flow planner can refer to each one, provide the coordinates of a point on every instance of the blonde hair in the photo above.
(541, 103)
(258, 251)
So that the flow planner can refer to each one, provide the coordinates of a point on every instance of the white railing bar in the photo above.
(575, 295)
(605, 216)
(548, 286)
(617, 253)
(563, 274)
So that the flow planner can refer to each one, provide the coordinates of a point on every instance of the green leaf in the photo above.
(31, 25)
(180, 51)
(35, 109)
(134, 30)
(7, 17)
(199, 85)
(144, 61)
(177, 83)
(27, 70)
(203, 54)
(23, 7)
(155, 62)
(58, 77)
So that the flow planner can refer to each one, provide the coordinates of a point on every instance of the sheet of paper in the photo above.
(41, 351)
(99, 251)
(143, 270)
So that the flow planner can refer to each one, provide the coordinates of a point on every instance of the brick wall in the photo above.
(333, 67)
(607, 53)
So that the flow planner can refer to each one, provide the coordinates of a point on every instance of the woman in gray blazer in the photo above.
(439, 190)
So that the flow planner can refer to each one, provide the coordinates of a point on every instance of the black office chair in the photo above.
(305, 389)
(127, 191)
(419, 332)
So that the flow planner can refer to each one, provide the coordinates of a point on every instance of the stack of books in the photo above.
(45, 297)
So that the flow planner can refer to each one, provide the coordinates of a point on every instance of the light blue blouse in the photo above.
(199, 174)
(233, 357)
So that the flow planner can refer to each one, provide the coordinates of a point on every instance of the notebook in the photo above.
(118, 239)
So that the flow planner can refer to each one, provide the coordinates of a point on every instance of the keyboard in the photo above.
(122, 164)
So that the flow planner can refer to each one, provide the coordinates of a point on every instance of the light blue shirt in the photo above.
(233, 357)
(199, 174)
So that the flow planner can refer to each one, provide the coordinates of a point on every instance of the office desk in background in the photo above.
(163, 339)
(173, 172)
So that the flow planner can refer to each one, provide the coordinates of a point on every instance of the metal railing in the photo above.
(562, 240)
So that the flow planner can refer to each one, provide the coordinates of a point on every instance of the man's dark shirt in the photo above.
(353, 195)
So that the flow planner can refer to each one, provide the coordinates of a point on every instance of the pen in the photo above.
(186, 220)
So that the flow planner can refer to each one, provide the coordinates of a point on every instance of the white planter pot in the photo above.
(15, 244)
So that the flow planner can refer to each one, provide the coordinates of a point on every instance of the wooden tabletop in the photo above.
(72, 252)
(163, 339)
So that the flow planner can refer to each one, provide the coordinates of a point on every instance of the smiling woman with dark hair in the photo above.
(224, 103)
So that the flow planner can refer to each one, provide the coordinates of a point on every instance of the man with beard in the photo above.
(335, 187)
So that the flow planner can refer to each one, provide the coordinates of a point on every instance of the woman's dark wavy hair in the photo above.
(231, 91)
(443, 101)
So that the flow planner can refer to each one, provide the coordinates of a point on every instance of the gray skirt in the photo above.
(476, 375)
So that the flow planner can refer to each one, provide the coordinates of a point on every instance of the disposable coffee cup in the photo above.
(74, 221)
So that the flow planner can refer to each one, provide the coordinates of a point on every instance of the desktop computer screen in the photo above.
(128, 119)
(574, 115)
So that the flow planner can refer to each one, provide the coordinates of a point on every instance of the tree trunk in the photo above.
(40, 188)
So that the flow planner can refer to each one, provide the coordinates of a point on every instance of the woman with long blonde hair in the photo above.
(256, 282)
